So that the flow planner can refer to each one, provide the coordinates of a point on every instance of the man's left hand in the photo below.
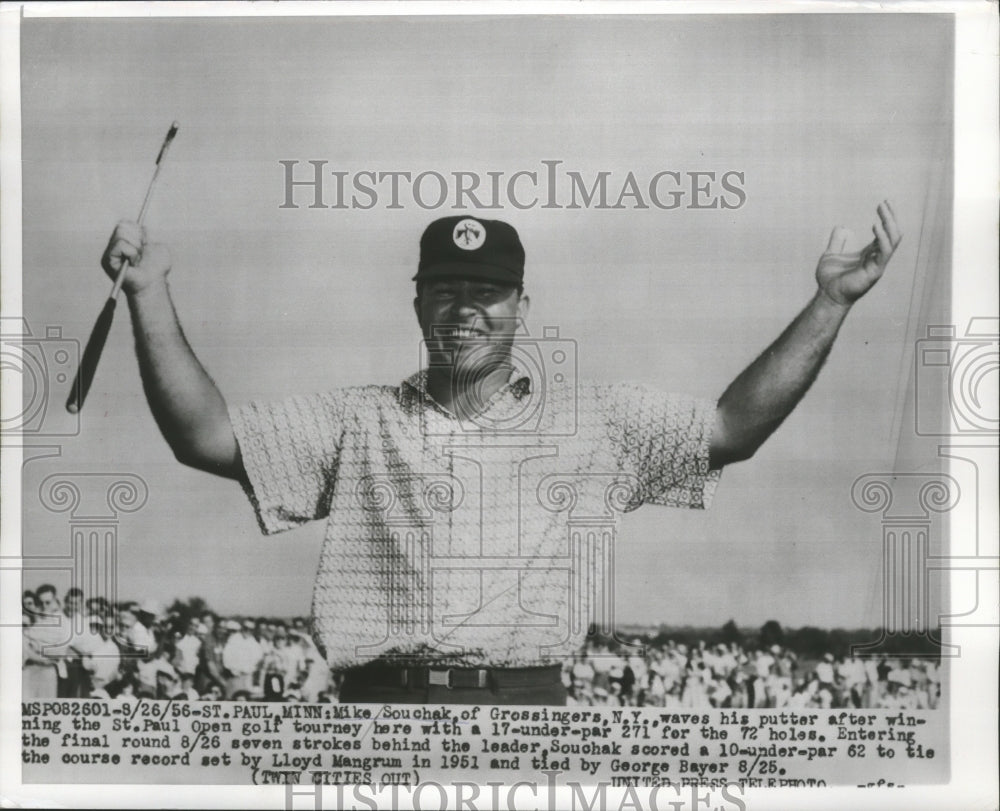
(845, 277)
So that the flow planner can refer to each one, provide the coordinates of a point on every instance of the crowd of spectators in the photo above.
(728, 675)
(77, 648)
(91, 649)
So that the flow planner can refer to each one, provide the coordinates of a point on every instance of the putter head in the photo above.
(166, 141)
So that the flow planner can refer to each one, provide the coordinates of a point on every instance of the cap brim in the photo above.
(468, 270)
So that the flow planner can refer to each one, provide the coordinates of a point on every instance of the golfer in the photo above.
(457, 565)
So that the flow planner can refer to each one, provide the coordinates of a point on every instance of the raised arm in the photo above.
(187, 405)
(760, 398)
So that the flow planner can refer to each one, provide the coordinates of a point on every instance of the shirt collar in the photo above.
(414, 388)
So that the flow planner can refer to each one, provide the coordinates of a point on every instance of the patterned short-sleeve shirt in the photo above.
(488, 542)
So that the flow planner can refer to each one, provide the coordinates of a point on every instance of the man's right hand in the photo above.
(149, 262)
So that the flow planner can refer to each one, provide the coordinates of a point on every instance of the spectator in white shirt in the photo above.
(136, 637)
(104, 659)
(188, 648)
(45, 643)
(241, 658)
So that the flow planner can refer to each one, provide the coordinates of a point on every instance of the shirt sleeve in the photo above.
(290, 452)
(663, 441)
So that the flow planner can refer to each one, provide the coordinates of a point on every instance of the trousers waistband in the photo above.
(379, 674)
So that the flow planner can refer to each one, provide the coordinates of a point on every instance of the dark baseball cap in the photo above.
(471, 248)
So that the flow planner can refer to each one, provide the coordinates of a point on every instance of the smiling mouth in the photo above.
(459, 333)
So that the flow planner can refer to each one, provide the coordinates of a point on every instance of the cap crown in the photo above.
(468, 247)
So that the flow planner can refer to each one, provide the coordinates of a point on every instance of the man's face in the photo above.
(73, 604)
(47, 603)
(126, 618)
(467, 322)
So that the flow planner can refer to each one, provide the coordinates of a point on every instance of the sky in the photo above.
(824, 116)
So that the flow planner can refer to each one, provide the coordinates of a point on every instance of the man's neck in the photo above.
(465, 396)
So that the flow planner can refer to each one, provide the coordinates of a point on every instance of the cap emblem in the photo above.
(469, 234)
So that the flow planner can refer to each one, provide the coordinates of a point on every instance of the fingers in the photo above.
(838, 240)
(887, 235)
(886, 230)
(888, 222)
(125, 245)
(130, 232)
(885, 247)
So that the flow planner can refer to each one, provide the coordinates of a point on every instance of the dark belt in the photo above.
(482, 678)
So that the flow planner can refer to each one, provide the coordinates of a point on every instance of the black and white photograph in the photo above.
(595, 398)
